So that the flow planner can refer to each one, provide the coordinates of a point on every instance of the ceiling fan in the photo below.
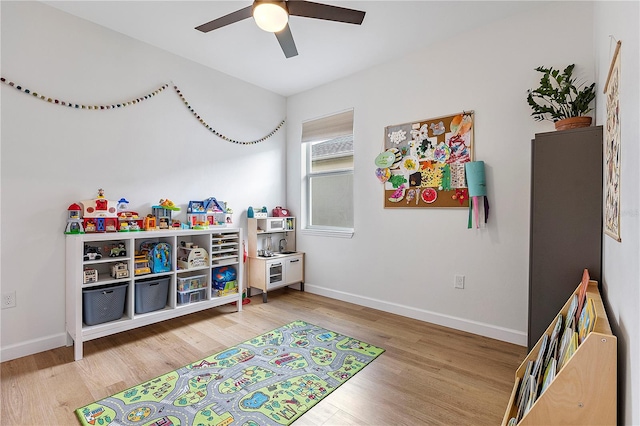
(273, 16)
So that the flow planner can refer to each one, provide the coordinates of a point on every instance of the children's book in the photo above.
(523, 384)
(564, 344)
(552, 352)
(524, 398)
(549, 375)
(587, 320)
(582, 293)
(571, 313)
(533, 393)
(571, 348)
(538, 365)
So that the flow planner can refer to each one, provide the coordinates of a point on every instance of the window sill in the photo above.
(328, 233)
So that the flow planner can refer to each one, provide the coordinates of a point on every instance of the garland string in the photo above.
(218, 134)
(136, 101)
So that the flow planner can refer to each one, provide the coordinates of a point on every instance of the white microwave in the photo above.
(275, 224)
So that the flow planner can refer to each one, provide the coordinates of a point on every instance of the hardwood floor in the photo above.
(428, 375)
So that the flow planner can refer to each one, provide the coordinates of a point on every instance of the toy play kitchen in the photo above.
(273, 260)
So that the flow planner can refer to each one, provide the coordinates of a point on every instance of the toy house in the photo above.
(74, 220)
(207, 213)
(128, 220)
(89, 275)
(162, 213)
(197, 215)
(99, 214)
(216, 211)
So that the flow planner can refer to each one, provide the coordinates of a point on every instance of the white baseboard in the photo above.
(31, 347)
(475, 327)
(500, 333)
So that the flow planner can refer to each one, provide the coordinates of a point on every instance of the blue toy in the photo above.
(224, 274)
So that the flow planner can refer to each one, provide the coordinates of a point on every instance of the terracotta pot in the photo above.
(573, 123)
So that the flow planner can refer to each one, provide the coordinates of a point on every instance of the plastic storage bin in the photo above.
(151, 294)
(192, 283)
(186, 297)
(103, 304)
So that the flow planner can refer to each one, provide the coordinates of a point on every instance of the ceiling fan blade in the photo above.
(231, 18)
(285, 38)
(310, 9)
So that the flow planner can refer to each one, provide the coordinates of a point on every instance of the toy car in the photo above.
(92, 253)
(119, 270)
(119, 250)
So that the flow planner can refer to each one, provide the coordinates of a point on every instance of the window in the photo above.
(328, 174)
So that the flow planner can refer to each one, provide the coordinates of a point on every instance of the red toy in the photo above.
(280, 212)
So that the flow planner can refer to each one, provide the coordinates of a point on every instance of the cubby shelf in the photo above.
(78, 332)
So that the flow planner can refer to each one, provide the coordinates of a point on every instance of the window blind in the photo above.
(329, 127)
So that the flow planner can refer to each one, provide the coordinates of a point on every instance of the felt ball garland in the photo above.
(82, 106)
(218, 134)
(136, 101)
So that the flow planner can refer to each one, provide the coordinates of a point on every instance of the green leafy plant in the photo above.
(558, 96)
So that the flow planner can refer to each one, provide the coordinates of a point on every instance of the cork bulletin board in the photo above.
(422, 165)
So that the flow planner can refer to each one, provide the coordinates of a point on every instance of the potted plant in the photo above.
(559, 99)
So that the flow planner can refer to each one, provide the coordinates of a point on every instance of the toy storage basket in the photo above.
(191, 296)
(103, 304)
(151, 295)
(192, 283)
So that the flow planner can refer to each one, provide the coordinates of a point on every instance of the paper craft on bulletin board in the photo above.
(423, 162)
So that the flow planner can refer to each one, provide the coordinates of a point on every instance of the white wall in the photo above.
(404, 260)
(621, 268)
(53, 156)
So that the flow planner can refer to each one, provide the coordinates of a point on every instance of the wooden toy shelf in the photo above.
(584, 389)
(183, 243)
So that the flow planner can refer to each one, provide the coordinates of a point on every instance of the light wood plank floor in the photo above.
(429, 375)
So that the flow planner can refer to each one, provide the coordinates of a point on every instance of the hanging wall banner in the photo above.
(422, 164)
(612, 150)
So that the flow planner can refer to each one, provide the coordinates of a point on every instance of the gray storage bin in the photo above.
(186, 297)
(103, 304)
(151, 294)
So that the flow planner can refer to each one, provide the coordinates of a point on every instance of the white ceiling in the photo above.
(327, 50)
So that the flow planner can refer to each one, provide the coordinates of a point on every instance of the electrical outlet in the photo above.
(9, 300)
(459, 281)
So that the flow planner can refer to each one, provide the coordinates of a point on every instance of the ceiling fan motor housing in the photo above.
(270, 16)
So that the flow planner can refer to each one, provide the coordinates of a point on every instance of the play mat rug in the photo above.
(271, 379)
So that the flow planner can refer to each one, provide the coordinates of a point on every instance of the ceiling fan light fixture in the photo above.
(270, 16)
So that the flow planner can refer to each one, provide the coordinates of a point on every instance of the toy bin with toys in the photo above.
(191, 256)
(191, 296)
(194, 282)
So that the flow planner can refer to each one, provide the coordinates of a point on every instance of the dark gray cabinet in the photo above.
(566, 220)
